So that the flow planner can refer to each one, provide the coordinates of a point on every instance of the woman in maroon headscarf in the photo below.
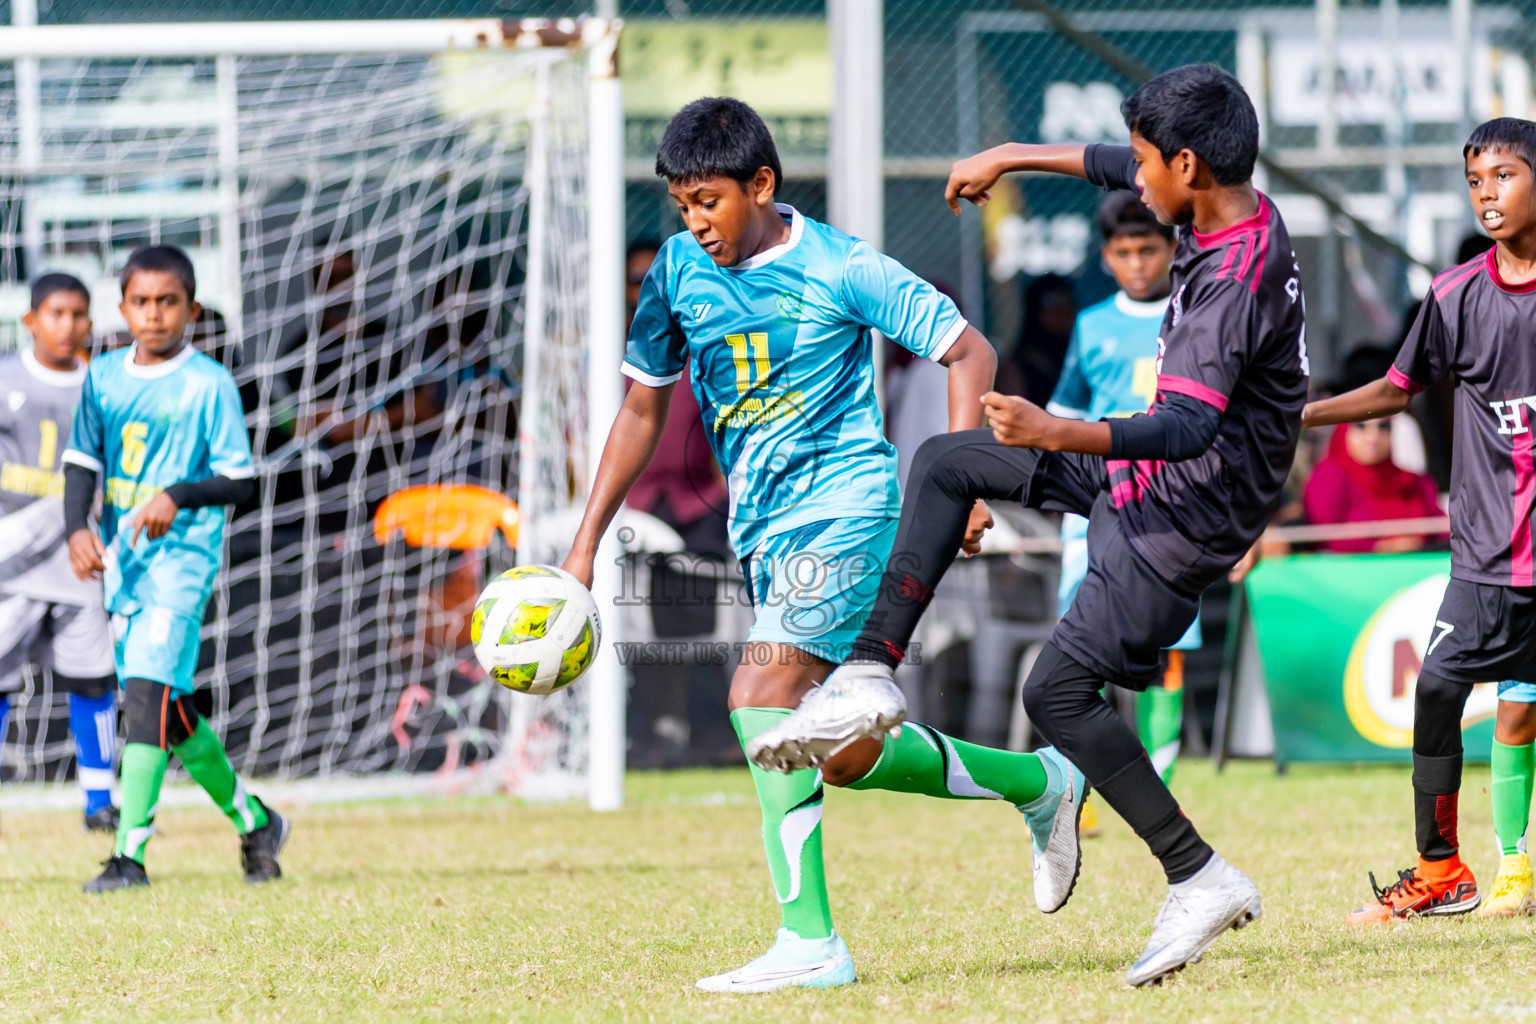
(1358, 482)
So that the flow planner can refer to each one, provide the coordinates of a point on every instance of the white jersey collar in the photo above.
(1149, 309)
(767, 256)
(58, 378)
(155, 370)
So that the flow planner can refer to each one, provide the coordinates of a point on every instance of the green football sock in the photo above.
(142, 772)
(1513, 770)
(791, 832)
(1160, 720)
(924, 760)
(205, 760)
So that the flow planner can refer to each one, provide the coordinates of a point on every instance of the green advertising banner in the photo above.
(1341, 638)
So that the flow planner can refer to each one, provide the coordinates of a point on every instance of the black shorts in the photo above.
(1125, 614)
(1484, 633)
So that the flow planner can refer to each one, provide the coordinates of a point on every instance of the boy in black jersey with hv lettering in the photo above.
(1478, 324)
(1174, 497)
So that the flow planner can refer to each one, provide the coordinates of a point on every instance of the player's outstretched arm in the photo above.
(972, 178)
(1372, 401)
(631, 444)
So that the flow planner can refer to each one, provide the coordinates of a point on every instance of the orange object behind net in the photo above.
(459, 516)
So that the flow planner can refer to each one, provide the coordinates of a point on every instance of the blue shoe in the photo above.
(791, 961)
(1053, 819)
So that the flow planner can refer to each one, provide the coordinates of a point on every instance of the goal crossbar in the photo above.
(299, 38)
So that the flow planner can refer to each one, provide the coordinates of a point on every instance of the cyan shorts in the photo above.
(812, 587)
(160, 645)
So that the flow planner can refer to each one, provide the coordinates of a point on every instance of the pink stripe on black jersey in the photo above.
(1520, 535)
(1192, 388)
(1481, 329)
(1232, 338)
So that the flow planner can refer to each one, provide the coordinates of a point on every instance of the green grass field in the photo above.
(486, 910)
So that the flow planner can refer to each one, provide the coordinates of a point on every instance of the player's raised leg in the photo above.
(1514, 767)
(861, 700)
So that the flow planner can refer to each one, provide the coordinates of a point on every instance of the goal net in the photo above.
(391, 250)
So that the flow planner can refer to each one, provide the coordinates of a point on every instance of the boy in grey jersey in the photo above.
(47, 616)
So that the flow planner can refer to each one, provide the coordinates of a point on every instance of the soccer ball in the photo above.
(535, 629)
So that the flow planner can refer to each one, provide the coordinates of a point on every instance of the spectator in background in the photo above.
(675, 709)
(1357, 482)
(1050, 312)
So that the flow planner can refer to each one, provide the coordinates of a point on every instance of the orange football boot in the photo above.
(1431, 888)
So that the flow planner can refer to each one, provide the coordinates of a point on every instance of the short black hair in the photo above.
(717, 136)
(1124, 215)
(1201, 108)
(51, 284)
(1513, 135)
(166, 259)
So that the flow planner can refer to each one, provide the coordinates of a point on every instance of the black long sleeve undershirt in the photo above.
(80, 492)
(215, 490)
(1183, 428)
(1109, 167)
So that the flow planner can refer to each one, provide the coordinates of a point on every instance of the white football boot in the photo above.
(1052, 819)
(1195, 914)
(858, 701)
(791, 961)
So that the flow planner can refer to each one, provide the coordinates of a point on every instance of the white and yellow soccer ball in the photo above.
(535, 629)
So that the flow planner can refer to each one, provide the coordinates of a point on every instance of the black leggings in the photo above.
(1066, 704)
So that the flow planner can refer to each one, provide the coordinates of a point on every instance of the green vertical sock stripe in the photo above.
(1513, 768)
(1160, 721)
(205, 760)
(924, 760)
(791, 832)
(142, 772)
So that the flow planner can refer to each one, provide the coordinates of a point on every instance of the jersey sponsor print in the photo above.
(142, 429)
(783, 369)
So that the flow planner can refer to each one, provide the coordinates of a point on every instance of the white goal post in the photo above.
(426, 206)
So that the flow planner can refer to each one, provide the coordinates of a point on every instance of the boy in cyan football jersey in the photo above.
(46, 615)
(161, 424)
(1111, 370)
(1175, 497)
(773, 311)
(1478, 325)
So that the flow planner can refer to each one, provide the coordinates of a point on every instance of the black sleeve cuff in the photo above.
(1183, 428)
(216, 490)
(79, 494)
(1109, 167)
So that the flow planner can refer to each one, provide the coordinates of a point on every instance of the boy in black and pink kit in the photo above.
(1174, 497)
(1478, 324)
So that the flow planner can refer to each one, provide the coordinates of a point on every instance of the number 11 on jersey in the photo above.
(745, 363)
